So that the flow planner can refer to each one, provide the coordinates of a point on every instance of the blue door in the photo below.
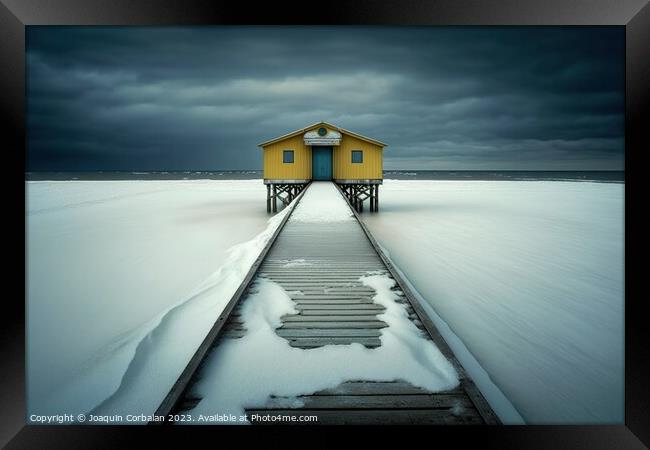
(321, 163)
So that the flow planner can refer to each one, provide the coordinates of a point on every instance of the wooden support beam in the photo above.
(359, 201)
(356, 194)
(275, 198)
(377, 198)
(285, 192)
(374, 197)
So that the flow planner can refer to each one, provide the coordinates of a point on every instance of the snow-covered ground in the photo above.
(529, 275)
(123, 281)
(124, 278)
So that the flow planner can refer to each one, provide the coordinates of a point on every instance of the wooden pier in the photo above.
(335, 308)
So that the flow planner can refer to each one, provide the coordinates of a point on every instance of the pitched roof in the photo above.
(307, 128)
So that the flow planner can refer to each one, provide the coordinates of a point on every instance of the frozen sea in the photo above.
(119, 266)
(124, 275)
(529, 275)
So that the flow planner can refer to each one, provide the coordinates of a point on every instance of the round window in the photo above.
(322, 131)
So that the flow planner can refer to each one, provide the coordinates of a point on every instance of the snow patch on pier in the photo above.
(245, 372)
(322, 203)
(297, 263)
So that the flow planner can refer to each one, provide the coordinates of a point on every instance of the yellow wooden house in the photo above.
(323, 152)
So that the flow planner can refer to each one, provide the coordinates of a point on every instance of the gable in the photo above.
(332, 136)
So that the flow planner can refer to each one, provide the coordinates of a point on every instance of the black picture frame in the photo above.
(634, 15)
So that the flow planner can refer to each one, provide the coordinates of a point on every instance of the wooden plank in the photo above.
(341, 312)
(325, 289)
(329, 318)
(327, 272)
(306, 261)
(323, 285)
(333, 267)
(365, 417)
(376, 324)
(320, 272)
(300, 277)
(330, 297)
(336, 332)
(480, 403)
(318, 281)
(330, 287)
(322, 266)
(380, 388)
(333, 302)
(178, 389)
(341, 306)
(292, 279)
(320, 269)
(415, 401)
(334, 312)
(313, 278)
(322, 341)
(330, 291)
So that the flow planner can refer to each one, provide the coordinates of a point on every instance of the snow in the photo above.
(529, 276)
(244, 372)
(300, 262)
(124, 279)
(502, 407)
(523, 279)
(320, 205)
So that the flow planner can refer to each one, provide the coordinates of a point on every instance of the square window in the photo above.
(287, 157)
(357, 156)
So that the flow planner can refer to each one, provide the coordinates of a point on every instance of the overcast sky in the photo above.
(446, 98)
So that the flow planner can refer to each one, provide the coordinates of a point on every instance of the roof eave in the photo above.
(342, 130)
(291, 134)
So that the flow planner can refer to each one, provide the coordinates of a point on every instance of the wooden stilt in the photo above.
(377, 198)
(268, 198)
(374, 198)
(359, 202)
(275, 198)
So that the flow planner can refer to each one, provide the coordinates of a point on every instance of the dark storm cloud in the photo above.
(442, 98)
